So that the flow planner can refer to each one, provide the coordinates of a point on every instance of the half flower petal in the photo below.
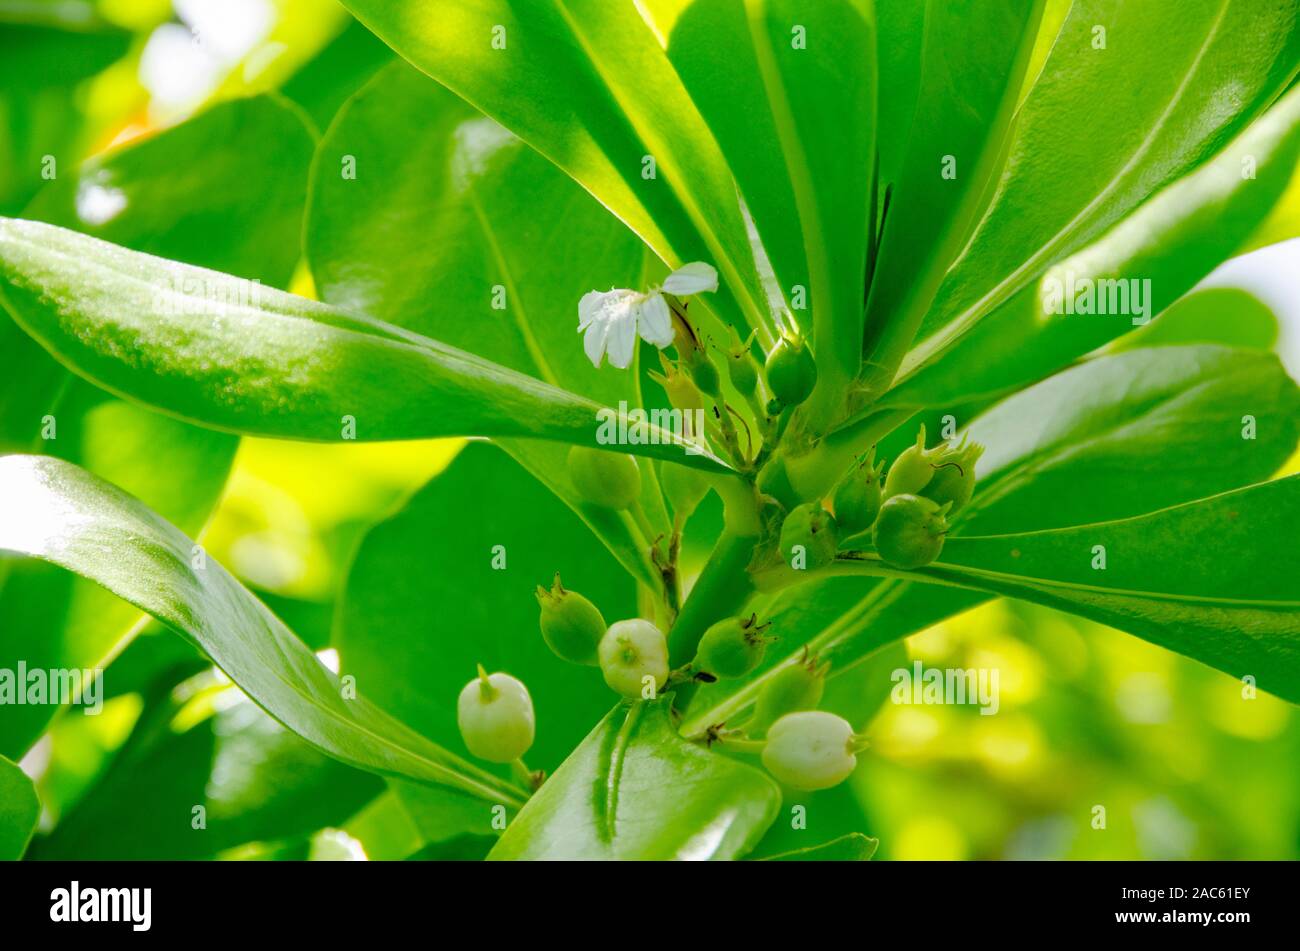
(692, 278)
(656, 324)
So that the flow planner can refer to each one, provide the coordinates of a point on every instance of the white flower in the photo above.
(611, 320)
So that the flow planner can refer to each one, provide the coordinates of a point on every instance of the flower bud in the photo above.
(732, 647)
(682, 393)
(857, 499)
(608, 479)
(571, 625)
(811, 750)
(791, 370)
(909, 530)
(913, 469)
(631, 651)
(954, 476)
(811, 531)
(793, 688)
(495, 715)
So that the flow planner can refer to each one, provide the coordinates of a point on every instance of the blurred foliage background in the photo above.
(1185, 767)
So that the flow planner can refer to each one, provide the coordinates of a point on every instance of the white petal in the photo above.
(656, 324)
(692, 278)
(594, 342)
(622, 336)
(593, 302)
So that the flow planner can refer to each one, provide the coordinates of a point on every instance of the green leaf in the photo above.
(854, 847)
(1213, 579)
(334, 74)
(255, 780)
(635, 789)
(61, 514)
(240, 357)
(448, 582)
(1194, 75)
(587, 84)
(454, 209)
(228, 208)
(792, 105)
(1073, 449)
(1068, 452)
(974, 59)
(1225, 315)
(19, 810)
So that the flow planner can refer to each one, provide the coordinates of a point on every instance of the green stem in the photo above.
(723, 588)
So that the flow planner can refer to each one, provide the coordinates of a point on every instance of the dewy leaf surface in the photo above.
(634, 789)
(240, 357)
(54, 511)
(587, 84)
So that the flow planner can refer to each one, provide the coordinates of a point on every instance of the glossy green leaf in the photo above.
(1190, 421)
(19, 810)
(237, 356)
(254, 780)
(587, 84)
(1194, 75)
(229, 208)
(61, 514)
(448, 583)
(1074, 449)
(457, 209)
(334, 74)
(973, 62)
(1226, 315)
(793, 107)
(635, 790)
(1213, 579)
(854, 847)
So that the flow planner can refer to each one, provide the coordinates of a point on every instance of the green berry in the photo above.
(857, 499)
(495, 715)
(571, 625)
(732, 647)
(608, 479)
(791, 370)
(685, 488)
(630, 651)
(954, 476)
(913, 469)
(793, 688)
(741, 367)
(705, 375)
(909, 531)
(810, 750)
(809, 537)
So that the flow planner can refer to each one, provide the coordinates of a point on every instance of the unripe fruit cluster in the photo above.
(909, 515)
